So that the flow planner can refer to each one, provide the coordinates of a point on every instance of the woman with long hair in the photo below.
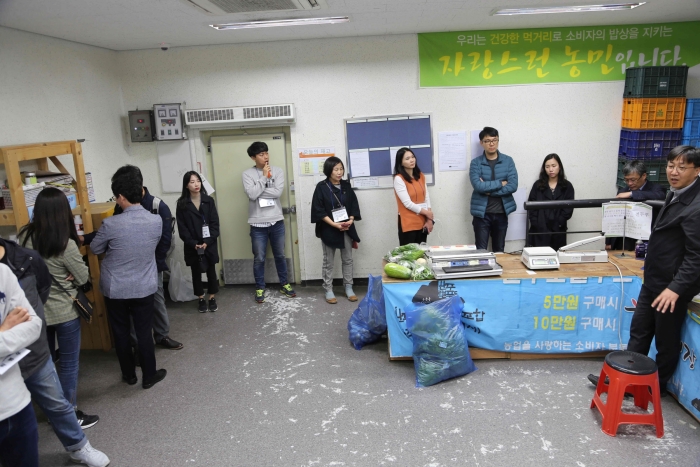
(334, 210)
(198, 227)
(416, 219)
(552, 185)
(52, 233)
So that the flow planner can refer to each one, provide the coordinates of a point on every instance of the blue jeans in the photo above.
(259, 237)
(68, 335)
(46, 391)
(19, 439)
(493, 225)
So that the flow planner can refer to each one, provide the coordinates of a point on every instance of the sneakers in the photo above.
(202, 305)
(157, 378)
(86, 421)
(330, 297)
(260, 295)
(287, 290)
(90, 456)
(212, 305)
(349, 293)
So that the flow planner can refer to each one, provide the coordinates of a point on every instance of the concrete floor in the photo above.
(279, 384)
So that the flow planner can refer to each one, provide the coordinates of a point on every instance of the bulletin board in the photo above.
(372, 143)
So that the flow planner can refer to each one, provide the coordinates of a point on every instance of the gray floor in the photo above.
(279, 384)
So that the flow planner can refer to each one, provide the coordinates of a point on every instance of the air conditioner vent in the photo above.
(267, 112)
(228, 7)
(212, 115)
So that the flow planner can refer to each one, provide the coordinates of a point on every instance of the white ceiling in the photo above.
(145, 24)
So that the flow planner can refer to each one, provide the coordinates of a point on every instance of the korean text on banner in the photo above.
(552, 55)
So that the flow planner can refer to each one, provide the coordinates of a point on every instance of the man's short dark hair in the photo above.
(256, 148)
(488, 131)
(129, 169)
(687, 154)
(631, 167)
(127, 183)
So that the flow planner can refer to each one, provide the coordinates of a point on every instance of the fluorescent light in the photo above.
(565, 9)
(280, 22)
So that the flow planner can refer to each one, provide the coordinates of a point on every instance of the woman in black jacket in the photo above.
(334, 210)
(552, 185)
(198, 226)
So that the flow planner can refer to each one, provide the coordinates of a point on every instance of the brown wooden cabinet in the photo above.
(97, 334)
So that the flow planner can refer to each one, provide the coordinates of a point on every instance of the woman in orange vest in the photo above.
(415, 216)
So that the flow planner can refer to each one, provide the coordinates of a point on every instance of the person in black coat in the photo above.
(551, 186)
(639, 189)
(334, 210)
(198, 227)
(671, 267)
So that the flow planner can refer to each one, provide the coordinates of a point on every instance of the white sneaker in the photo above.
(90, 456)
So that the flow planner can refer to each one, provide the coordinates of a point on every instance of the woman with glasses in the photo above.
(52, 233)
(552, 185)
(416, 219)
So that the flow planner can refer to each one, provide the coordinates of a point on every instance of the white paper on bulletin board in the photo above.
(174, 162)
(311, 160)
(517, 220)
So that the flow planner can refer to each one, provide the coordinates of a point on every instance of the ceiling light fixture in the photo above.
(565, 9)
(280, 22)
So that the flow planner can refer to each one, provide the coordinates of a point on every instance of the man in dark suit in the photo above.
(672, 266)
(639, 189)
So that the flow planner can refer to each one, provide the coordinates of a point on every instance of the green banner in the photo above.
(553, 55)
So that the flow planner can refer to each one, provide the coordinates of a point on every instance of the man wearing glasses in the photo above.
(639, 189)
(494, 179)
(671, 267)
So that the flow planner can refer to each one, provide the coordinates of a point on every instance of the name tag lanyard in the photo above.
(205, 227)
(340, 214)
(423, 204)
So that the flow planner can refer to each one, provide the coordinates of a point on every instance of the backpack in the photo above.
(154, 210)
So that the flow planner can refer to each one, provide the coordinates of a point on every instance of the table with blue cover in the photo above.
(577, 310)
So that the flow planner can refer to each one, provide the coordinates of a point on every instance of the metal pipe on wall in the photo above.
(581, 203)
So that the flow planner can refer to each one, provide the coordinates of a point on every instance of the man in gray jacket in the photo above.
(129, 276)
(264, 185)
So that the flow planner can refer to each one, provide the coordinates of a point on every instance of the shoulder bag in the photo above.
(80, 302)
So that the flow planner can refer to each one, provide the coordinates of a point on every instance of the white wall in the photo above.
(327, 80)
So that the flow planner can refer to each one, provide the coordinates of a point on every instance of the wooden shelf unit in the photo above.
(95, 335)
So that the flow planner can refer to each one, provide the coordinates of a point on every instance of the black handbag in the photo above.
(80, 302)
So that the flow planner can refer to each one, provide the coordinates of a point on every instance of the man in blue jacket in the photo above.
(494, 179)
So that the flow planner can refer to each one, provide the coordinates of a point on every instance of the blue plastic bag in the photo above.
(440, 348)
(368, 321)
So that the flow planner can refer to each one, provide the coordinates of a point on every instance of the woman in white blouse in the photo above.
(415, 216)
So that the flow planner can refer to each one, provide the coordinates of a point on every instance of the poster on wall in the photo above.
(311, 160)
(552, 55)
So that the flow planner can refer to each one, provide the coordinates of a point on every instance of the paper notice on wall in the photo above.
(368, 182)
(311, 160)
(630, 220)
(359, 163)
(452, 150)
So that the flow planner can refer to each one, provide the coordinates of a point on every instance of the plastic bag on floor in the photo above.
(440, 348)
(368, 321)
(180, 285)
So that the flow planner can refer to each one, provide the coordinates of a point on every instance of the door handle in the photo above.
(290, 210)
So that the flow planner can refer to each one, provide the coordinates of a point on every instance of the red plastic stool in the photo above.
(634, 373)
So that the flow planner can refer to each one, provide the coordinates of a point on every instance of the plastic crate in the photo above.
(656, 81)
(648, 144)
(695, 142)
(656, 171)
(692, 108)
(691, 129)
(653, 113)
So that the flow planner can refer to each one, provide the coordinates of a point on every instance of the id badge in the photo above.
(340, 215)
(266, 202)
(205, 231)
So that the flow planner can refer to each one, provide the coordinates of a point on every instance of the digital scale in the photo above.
(462, 261)
(540, 257)
(570, 254)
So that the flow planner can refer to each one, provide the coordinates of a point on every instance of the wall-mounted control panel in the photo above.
(168, 122)
(141, 126)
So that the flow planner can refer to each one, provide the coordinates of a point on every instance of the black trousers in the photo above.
(648, 323)
(412, 236)
(212, 280)
(140, 310)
